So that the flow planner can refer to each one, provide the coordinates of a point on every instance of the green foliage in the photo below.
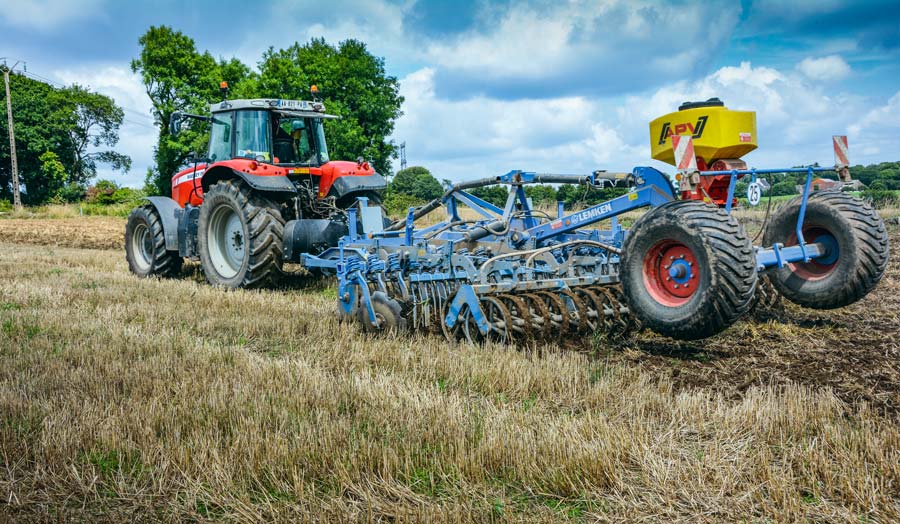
(541, 195)
(579, 196)
(107, 192)
(71, 192)
(5, 205)
(418, 182)
(885, 175)
(880, 197)
(351, 81)
(494, 194)
(784, 187)
(72, 123)
(48, 180)
(397, 204)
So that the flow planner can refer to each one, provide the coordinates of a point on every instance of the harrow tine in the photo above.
(557, 309)
(521, 316)
(578, 311)
(542, 323)
(500, 327)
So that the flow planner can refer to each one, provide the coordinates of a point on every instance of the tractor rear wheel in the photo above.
(857, 244)
(240, 236)
(145, 245)
(688, 270)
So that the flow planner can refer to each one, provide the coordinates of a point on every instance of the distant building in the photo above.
(823, 184)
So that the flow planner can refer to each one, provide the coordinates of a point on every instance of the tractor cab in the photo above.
(271, 131)
(275, 146)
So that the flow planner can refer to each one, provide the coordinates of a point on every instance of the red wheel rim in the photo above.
(817, 268)
(671, 273)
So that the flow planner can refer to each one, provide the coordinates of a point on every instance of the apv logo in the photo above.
(696, 130)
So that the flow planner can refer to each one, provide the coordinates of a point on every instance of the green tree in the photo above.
(72, 123)
(541, 195)
(496, 195)
(352, 83)
(579, 196)
(784, 187)
(418, 182)
(97, 123)
(177, 77)
(48, 181)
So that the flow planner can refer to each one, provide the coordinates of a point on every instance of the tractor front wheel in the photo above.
(688, 270)
(856, 243)
(240, 237)
(145, 245)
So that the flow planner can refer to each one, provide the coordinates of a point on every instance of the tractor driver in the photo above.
(296, 146)
(303, 149)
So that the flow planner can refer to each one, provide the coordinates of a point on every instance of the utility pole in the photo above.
(17, 198)
(403, 155)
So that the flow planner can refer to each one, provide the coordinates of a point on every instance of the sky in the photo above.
(559, 87)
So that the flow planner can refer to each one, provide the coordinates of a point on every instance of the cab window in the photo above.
(295, 141)
(220, 138)
(252, 135)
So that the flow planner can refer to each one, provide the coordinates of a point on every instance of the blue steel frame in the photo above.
(778, 255)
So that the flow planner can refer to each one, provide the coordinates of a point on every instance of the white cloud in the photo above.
(482, 136)
(606, 46)
(138, 134)
(876, 135)
(376, 22)
(827, 68)
(47, 14)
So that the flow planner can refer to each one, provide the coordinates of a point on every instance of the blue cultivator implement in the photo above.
(685, 269)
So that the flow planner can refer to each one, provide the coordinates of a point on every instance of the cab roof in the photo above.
(300, 108)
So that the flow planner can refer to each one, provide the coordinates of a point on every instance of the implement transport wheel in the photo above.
(145, 245)
(688, 270)
(240, 237)
(856, 257)
(387, 315)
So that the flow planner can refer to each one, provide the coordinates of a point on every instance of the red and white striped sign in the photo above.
(683, 147)
(840, 150)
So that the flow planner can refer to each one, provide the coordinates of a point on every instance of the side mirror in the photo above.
(175, 123)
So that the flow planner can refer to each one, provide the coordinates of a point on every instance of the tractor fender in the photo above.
(347, 185)
(170, 214)
(278, 184)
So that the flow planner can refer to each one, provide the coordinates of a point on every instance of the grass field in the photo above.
(140, 400)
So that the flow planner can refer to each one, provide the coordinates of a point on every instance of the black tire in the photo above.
(239, 235)
(145, 245)
(387, 312)
(717, 266)
(862, 250)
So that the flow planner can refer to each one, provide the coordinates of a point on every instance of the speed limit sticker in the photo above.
(754, 193)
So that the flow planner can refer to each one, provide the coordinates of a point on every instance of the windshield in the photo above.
(252, 135)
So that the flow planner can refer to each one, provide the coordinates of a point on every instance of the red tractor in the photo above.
(266, 193)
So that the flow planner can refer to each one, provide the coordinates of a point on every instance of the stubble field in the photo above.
(128, 399)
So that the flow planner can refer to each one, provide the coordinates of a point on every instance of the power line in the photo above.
(41, 78)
